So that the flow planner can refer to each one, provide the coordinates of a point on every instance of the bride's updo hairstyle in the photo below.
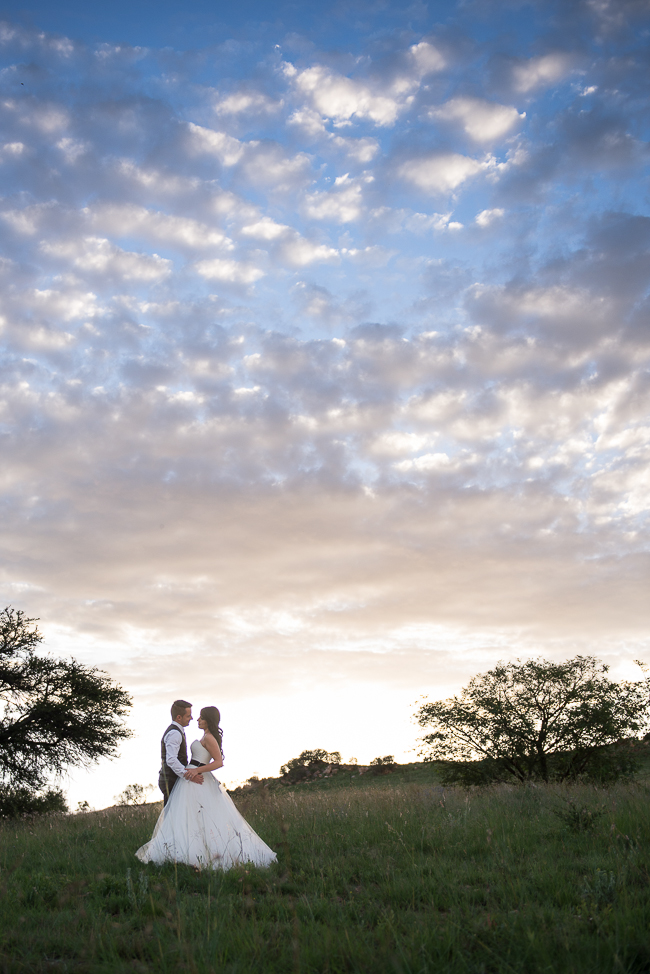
(212, 717)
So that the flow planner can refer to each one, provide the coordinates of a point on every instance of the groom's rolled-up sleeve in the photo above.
(173, 740)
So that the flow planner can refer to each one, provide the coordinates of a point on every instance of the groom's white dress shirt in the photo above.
(173, 739)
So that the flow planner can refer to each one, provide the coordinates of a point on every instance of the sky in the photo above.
(325, 355)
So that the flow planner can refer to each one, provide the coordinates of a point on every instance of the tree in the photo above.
(133, 795)
(18, 800)
(308, 759)
(53, 712)
(536, 720)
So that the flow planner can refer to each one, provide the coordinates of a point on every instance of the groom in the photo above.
(173, 751)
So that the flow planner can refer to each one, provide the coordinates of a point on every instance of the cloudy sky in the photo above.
(325, 354)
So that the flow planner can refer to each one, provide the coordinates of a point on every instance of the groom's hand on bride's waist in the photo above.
(193, 776)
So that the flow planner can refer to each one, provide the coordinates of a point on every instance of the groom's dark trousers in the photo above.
(166, 784)
(167, 778)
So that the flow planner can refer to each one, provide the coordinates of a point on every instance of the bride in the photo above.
(201, 826)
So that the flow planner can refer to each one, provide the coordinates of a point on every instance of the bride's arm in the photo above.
(210, 744)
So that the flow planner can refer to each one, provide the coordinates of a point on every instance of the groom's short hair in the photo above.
(179, 707)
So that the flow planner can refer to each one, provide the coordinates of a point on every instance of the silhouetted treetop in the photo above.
(307, 759)
(53, 712)
(535, 719)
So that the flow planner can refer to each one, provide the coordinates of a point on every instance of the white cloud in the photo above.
(265, 229)
(540, 72)
(423, 222)
(132, 220)
(69, 304)
(397, 443)
(374, 255)
(309, 121)
(155, 180)
(13, 148)
(427, 462)
(269, 165)
(440, 172)
(227, 149)
(42, 339)
(427, 58)
(486, 217)
(98, 255)
(545, 302)
(483, 121)
(241, 102)
(570, 315)
(24, 222)
(300, 252)
(313, 127)
(47, 118)
(72, 149)
(361, 150)
(229, 271)
(342, 205)
(340, 98)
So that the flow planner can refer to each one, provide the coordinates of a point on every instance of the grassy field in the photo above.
(385, 875)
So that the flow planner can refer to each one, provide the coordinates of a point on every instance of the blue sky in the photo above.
(325, 353)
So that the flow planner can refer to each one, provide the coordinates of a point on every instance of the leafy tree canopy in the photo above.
(134, 795)
(307, 759)
(535, 719)
(17, 801)
(53, 712)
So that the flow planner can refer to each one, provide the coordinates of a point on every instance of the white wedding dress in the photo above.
(201, 826)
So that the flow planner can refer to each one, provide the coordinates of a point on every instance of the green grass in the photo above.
(388, 875)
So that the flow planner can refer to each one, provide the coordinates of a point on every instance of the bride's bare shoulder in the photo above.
(211, 745)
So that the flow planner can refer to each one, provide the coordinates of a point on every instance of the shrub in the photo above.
(606, 765)
(18, 800)
(466, 773)
(613, 763)
(578, 817)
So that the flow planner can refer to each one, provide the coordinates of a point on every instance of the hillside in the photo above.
(322, 776)
(383, 875)
(344, 776)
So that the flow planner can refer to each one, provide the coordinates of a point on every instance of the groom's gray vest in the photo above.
(166, 773)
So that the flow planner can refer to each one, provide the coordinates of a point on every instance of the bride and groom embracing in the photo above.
(199, 826)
